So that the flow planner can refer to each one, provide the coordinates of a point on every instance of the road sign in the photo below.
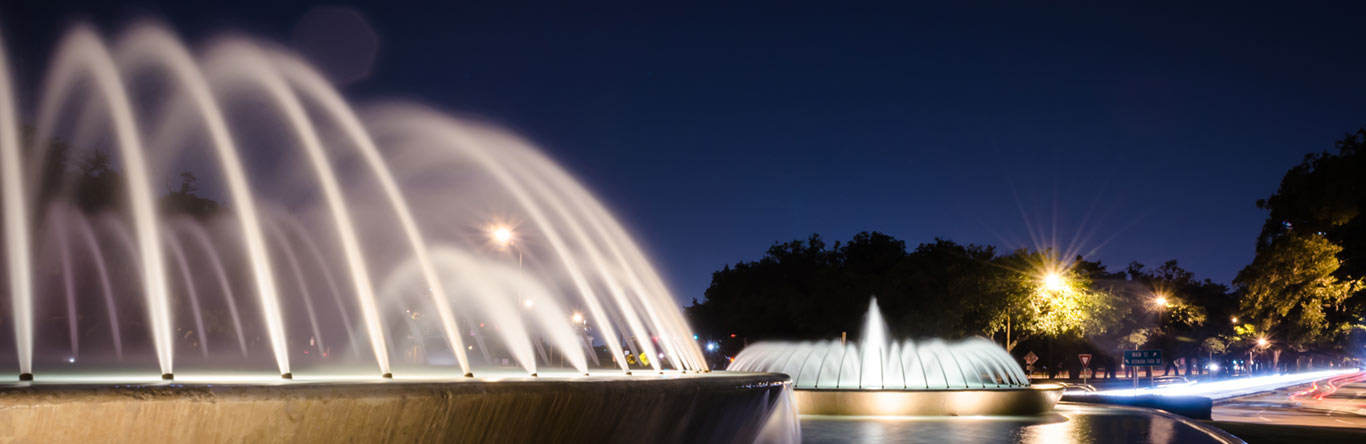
(1142, 358)
(1031, 358)
(1085, 360)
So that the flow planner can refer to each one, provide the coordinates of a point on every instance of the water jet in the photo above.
(879, 376)
(308, 188)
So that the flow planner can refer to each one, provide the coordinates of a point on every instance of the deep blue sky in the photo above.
(717, 131)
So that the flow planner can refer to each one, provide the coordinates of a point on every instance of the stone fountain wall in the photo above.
(705, 408)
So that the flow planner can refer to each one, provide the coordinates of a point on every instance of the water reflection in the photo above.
(1070, 424)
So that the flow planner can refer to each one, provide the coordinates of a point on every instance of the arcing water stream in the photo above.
(327, 211)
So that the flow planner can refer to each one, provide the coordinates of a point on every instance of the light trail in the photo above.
(1230, 388)
(1317, 393)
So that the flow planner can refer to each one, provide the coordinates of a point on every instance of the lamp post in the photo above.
(1053, 283)
(505, 238)
(1261, 344)
(1160, 303)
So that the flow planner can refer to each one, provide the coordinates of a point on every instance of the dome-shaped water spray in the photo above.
(876, 361)
(878, 375)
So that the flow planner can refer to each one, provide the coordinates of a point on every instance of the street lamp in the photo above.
(1261, 345)
(1054, 282)
(502, 235)
(1234, 319)
(505, 238)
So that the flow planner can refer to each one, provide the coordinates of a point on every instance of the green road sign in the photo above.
(1140, 358)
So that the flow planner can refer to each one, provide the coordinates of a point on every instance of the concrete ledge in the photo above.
(1195, 407)
(1026, 401)
(729, 408)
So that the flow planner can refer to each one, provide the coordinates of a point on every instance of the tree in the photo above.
(1324, 195)
(1311, 253)
(1038, 297)
(186, 201)
(1291, 288)
(811, 290)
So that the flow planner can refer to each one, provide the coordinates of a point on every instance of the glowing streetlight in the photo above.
(577, 318)
(1234, 319)
(1161, 301)
(1054, 282)
(501, 234)
(1261, 342)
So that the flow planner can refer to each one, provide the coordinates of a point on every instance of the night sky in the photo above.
(1131, 133)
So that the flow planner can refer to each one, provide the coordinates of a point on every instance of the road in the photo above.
(1324, 411)
(1323, 403)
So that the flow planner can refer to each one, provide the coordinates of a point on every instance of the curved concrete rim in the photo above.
(1034, 400)
(693, 408)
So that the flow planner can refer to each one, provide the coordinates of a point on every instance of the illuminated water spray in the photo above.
(877, 362)
(377, 212)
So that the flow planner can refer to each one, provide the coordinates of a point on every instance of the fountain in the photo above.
(880, 376)
(428, 269)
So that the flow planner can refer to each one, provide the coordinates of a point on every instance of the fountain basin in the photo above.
(670, 408)
(1034, 400)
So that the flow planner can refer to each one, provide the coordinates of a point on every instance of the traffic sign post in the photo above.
(1142, 358)
(1085, 362)
(1030, 358)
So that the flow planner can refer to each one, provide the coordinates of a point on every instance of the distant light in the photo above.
(711, 346)
(577, 318)
(1161, 301)
(71, 360)
(1235, 319)
(1261, 342)
(732, 335)
(661, 355)
(694, 337)
(1213, 367)
(527, 303)
(501, 234)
